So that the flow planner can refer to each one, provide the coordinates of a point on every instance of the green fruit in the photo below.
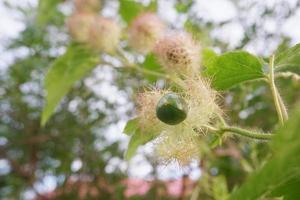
(171, 109)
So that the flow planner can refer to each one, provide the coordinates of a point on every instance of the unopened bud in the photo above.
(179, 53)
(79, 25)
(104, 35)
(145, 31)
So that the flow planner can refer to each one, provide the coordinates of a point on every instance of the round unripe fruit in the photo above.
(171, 109)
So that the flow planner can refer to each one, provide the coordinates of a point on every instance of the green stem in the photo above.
(247, 133)
(138, 68)
(222, 120)
(149, 72)
(283, 108)
(274, 91)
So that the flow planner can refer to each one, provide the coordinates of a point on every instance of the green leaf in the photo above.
(280, 175)
(136, 140)
(233, 68)
(151, 64)
(131, 126)
(129, 9)
(288, 58)
(65, 71)
(216, 140)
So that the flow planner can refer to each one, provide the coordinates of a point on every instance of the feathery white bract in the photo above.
(179, 142)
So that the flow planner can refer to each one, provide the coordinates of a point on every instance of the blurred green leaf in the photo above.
(47, 9)
(233, 68)
(129, 9)
(220, 190)
(65, 71)
(208, 55)
(137, 139)
(288, 58)
(199, 32)
(280, 175)
(131, 126)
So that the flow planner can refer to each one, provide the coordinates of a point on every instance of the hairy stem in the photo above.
(287, 75)
(275, 94)
(240, 132)
(283, 108)
(247, 133)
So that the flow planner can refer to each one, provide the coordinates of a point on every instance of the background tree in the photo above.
(73, 148)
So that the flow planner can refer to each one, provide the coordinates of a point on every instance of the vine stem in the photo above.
(247, 133)
(280, 108)
(241, 132)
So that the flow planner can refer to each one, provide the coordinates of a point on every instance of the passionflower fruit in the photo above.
(171, 109)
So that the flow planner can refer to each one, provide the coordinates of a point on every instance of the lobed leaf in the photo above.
(131, 126)
(288, 58)
(129, 9)
(136, 140)
(233, 68)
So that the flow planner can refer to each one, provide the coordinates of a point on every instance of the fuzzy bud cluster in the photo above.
(85, 26)
(179, 142)
(88, 6)
(178, 53)
(145, 31)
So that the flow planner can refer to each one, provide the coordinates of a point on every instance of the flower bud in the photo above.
(189, 112)
(104, 35)
(178, 53)
(88, 6)
(145, 31)
(79, 25)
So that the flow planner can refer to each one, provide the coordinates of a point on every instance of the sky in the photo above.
(11, 24)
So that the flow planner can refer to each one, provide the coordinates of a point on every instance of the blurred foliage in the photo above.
(78, 130)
